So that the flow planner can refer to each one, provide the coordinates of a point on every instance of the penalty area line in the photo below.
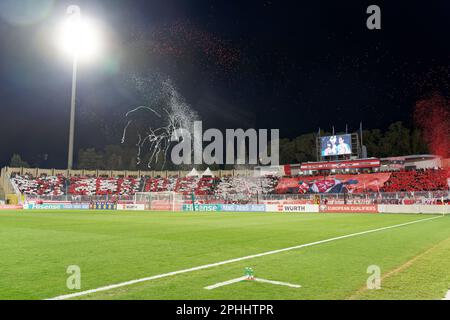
(216, 264)
(447, 297)
(225, 283)
(245, 278)
(278, 283)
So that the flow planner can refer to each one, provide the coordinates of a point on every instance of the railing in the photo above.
(79, 198)
(8, 187)
(124, 173)
(428, 197)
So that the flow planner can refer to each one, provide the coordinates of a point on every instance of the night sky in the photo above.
(296, 66)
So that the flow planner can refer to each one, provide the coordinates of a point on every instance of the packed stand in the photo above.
(41, 186)
(417, 180)
(231, 186)
(248, 186)
(104, 186)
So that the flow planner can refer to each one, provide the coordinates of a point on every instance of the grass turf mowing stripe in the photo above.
(169, 274)
(391, 273)
(423, 277)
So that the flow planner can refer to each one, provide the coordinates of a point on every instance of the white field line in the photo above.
(206, 266)
(279, 283)
(447, 297)
(225, 283)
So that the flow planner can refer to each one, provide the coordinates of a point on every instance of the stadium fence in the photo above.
(423, 197)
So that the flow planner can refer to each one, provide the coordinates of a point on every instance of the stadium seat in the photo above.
(229, 186)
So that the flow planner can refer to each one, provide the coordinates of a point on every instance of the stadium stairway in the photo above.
(2, 191)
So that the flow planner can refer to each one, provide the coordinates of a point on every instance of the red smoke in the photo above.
(432, 116)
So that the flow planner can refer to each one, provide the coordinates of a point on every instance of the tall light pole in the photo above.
(79, 39)
(75, 13)
(72, 113)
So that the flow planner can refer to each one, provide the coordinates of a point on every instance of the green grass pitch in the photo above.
(112, 247)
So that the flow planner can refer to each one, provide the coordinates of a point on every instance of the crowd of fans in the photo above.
(246, 186)
(212, 185)
(234, 186)
(103, 186)
(41, 186)
(417, 180)
(180, 185)
(58, 185)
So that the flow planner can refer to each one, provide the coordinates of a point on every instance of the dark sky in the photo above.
(296, 66)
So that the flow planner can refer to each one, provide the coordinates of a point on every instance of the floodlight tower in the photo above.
(73, 22)
(79, 39)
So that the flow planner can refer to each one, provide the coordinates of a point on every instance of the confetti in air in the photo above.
(155, 123)
(432, 115)
(183, 41)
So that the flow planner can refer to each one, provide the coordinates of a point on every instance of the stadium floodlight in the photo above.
(79, 38)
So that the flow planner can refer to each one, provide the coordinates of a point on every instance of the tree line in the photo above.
(397, 140)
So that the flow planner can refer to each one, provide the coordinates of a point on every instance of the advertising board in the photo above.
(56, 206)
(244, 207)
(292, 208)
(349, 208)
(131, 206)
(202, 207)
(10, 207)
